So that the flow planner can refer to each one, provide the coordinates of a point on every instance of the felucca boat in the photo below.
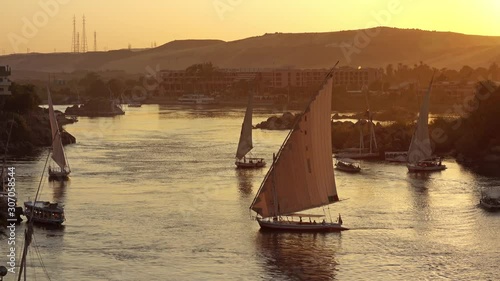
(301, 176)
(62, 170)
(246, 143)
(420, 157)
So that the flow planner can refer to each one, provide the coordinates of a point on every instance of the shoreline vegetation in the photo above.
(30, 123)
(471, 137)
(467, 132)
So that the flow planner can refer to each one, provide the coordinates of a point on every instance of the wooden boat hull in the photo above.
(252, 164)
(300, 227)
(54, 174)
(488, 206)
(419, 169)
(347, 169)
(53, 216)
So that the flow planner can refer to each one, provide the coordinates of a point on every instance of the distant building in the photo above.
(357, 77)
(4, 80)
(455, 89)
(178, 81)
(400, 88)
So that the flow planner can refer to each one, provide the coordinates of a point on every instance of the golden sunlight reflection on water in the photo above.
(154, 196)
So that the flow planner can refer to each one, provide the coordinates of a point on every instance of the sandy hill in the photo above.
(372, 47)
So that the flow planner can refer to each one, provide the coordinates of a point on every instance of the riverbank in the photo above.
(31, 131)
(446, 138)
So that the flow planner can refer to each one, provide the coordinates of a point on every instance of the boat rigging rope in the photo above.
(329, 213)
(30, 253)
(29, 232)
(37, 251)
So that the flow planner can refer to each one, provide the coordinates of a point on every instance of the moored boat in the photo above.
(490, 203)
(363, 153)
(44, 212)
(396, 156)
(490, 199)
(347, 165)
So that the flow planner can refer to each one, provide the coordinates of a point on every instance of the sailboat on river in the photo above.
(301, 176)
(246, 143)
(58, 155)
(420, 157)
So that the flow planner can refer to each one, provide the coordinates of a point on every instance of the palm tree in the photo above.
(203, 75)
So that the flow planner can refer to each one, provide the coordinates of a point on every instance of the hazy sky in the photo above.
(47, 25)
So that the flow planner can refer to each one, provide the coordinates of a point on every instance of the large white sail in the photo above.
(420, 146)
(301, 176)
(57, 147)
(245, 144)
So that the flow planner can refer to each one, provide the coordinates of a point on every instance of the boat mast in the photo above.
(245, 143)
(373, 139)
(276, 156)
(361, 139)
(57, 133)
(420, 143)
(28, 233)
(275, 196)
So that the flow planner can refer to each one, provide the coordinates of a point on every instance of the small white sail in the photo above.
(420, 146)
(301, 176)
(57, 147)
(245, 144)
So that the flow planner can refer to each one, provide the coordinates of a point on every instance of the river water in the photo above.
(154, 195)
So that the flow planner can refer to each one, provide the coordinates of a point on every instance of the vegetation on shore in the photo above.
(472, 136)
(31, 126)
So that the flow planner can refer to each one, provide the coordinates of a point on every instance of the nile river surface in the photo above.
(154, 196)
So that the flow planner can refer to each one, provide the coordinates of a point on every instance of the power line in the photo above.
(74, 45)
(84, 38)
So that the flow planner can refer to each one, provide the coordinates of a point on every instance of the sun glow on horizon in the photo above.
(36, 28)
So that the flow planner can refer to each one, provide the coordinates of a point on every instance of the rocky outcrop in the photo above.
(283, 122)
(31, 131)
